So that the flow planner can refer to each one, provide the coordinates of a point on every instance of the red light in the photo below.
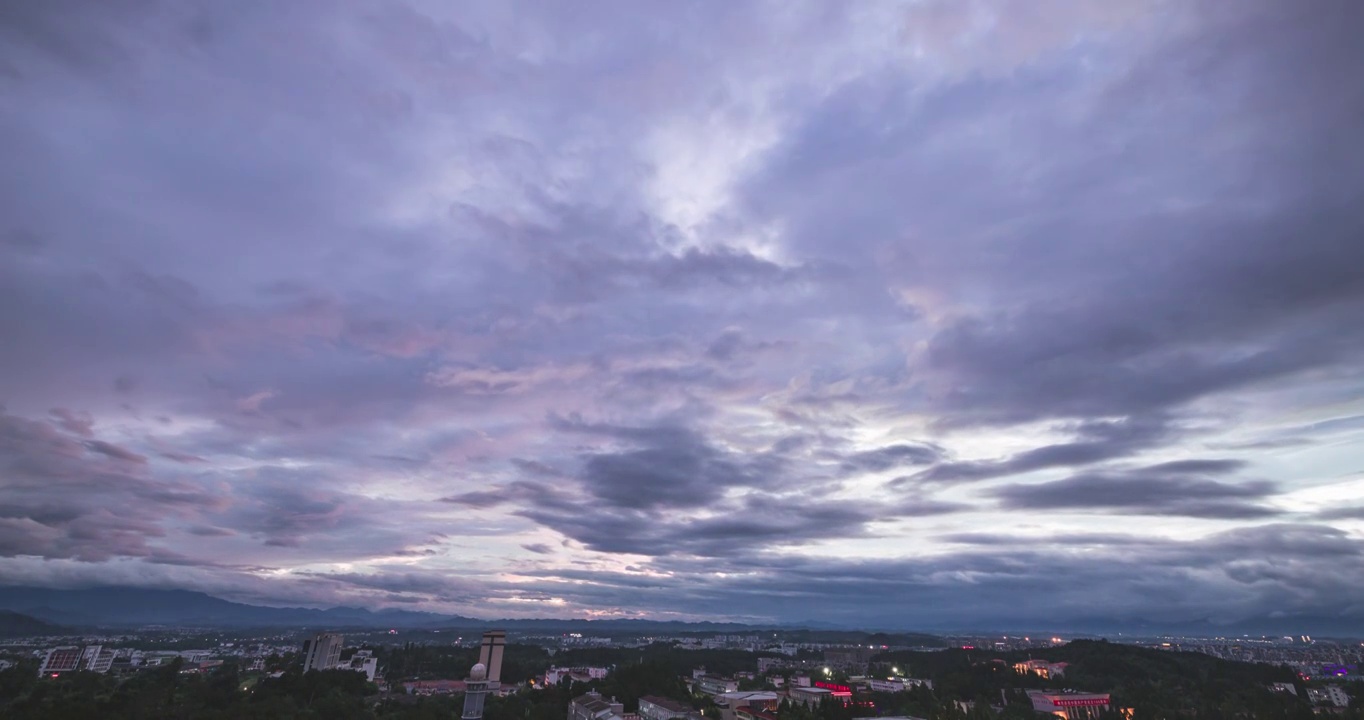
(968, 647)
(56, 674)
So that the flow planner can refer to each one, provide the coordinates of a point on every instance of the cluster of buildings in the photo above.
(555, 675)
(63, 659)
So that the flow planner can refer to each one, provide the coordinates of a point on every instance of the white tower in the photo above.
(475, 690)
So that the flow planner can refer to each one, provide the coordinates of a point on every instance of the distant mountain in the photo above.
(1339, 626)
(133, 607)
(13, 624)
(124, 606)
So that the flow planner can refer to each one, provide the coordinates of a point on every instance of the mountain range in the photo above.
(13, 624)
(122, 607)
(136, 607)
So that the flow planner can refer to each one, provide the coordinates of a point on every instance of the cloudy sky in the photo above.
(908, 313)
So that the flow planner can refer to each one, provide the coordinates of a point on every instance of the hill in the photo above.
(13, 624)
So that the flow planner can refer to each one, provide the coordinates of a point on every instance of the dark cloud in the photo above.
(1098, 440)
(1167, 489)
(1354, 512)
(891, 456)
(113, 451)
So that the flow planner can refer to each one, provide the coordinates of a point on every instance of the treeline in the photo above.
(165, 693)
(430, 662)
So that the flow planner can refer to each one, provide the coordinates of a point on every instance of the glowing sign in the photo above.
(1080, 702)
(836, 688)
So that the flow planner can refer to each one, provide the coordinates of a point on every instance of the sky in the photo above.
(910, 314)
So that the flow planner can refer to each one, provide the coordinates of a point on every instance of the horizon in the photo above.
(930, 310)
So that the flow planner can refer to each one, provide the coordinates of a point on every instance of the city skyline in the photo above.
(764, 312)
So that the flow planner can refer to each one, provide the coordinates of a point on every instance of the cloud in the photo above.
(358, 301)
(113, 451)
(1098, 440)
(1174, 488)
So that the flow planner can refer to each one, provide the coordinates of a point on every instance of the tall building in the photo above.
(490, 655)
(322, 652)
(485, 675)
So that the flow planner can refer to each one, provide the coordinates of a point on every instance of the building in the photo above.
(1041, 668)
(730, 703)
(363, 661)
(433, 687)
(1069, 705)
(768, 663)
(810, 696)
(748, 712)
(490, 655)
(97, 659)
(577, 674)
(1330, 696)
(897, 684)
(593, 706)
(322, 652)
(850, 659)
(715, 685)
(652, 707)
(58, 660)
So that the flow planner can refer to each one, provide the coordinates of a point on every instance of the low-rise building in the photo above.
(433, 687)
(64, 659)
(715, 685)
(851, 659)
(810, 696)
(1069, 705)
(362, 661)
(748, 712)
(767, 663)
(555, 675)
(652, 707)
(748, 701)
(1329, 696)
(593, 706)
(898, 684)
